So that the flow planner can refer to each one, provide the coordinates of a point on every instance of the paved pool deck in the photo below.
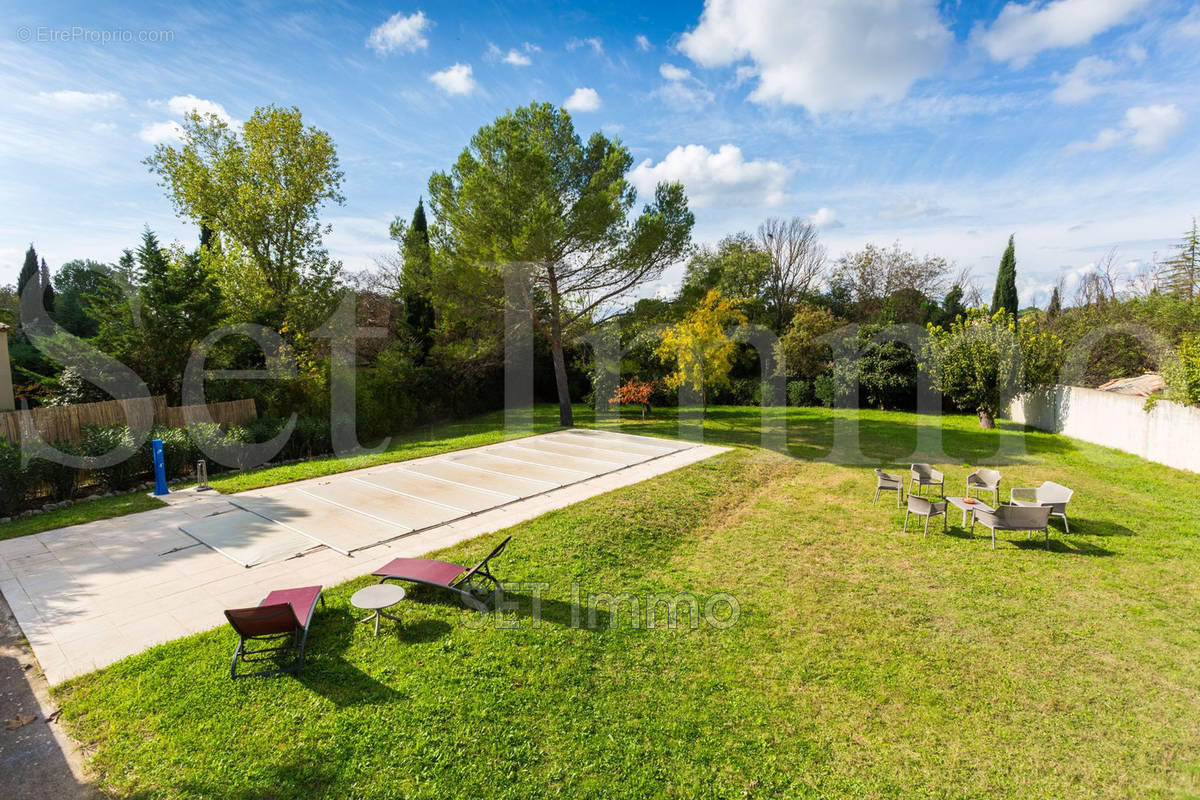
(92, 594)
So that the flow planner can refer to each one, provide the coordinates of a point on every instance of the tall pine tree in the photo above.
(44, 279)
(1181, 274)
(29, 270)
(1055, 307)
(415, 279)
(1005, 295)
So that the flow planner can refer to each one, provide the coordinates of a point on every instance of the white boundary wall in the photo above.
(1169, 434)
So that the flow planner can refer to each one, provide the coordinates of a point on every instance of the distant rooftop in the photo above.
(1141, 386)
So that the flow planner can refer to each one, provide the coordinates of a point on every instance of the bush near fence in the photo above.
(66, 423)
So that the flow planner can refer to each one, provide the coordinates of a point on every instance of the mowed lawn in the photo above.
(865, 662)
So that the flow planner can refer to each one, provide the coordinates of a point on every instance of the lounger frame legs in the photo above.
(297, 640)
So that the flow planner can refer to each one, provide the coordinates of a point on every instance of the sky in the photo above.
(946, 126)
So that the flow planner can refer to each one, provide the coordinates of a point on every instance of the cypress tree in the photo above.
(48, 287)
(29, 270)
(416, 277)
(1055, 307)
(1005, 295)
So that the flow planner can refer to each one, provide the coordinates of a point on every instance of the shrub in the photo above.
(800, 393)
(825, 389)
(101, 440)
(59, 479)
(14, 478)
(634, 392)
(179, 453)
(1183, 375)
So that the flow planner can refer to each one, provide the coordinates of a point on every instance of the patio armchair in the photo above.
(923, 507)
(885, 482)
(985, 480)
(925, 475)
(1051, 494)
(281, 620)
(1014, 518)
(469, 583)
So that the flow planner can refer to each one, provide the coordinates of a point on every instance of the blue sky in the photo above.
(946, 126)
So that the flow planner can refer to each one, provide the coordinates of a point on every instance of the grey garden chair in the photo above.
(985, 480)
(1014, 518)
(1051, 494)
(925, 508)
(888, 483)
(925, 475)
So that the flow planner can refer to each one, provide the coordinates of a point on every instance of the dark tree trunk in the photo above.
(566, 416)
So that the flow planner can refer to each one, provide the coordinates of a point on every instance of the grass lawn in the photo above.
(92, 510)
(864, 662)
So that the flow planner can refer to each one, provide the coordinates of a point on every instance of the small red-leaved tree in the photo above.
(633, 392)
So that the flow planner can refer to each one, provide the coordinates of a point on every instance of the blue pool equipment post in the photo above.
(160, 468)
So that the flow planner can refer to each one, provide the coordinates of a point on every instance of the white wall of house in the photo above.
(1168, 434)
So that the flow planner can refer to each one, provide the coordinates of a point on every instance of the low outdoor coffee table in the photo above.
(376, 598)
(971, 508)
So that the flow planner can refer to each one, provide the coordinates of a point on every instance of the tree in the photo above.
(797, 260)
(78, 282)
(952, 304)
(1004, 298)
(416, 274)
(1054, 309)
(737, 267)
(29, 270)
(804, 351)
(634, 392)
(529, 197)
(699, 346)
(49, 297)
(263, 189)
(179, 305)
(1181, 274)
(981, 362)
(874, 274)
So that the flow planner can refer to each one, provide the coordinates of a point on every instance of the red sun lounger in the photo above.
(468, 583)
(282, 620)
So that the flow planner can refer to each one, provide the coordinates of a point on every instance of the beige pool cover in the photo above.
(349, 513)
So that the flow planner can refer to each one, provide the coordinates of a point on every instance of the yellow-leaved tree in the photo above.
(700, 346)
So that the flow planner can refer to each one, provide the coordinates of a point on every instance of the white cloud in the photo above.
(1189, 26)
(1153, 126)
(910, 208)
(1022, 30)
(406, 34)
(182, 105)
(81, 101)
(1136, 53)
(643, 43)
(674, 73)
(161, 132)
(1077, 86)
(456, 79)
(594, 42)
(582, 99)
(814, 54)
(1145, 127)
(682, 90)
(824, 219)
(514, 57)
(724, 177)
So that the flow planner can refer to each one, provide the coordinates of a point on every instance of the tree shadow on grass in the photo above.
(312, 774)
(521, 607)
